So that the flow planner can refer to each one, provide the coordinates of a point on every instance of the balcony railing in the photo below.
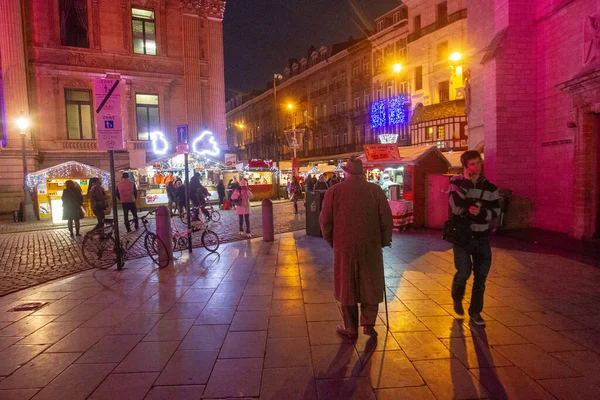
(80, 145)
(457, 16)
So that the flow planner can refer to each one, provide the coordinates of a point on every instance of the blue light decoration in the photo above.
(378, 115)
(397, 110)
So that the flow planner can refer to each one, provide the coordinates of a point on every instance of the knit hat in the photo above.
(354, 166)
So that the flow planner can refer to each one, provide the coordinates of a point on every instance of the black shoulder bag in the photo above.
(457, 230)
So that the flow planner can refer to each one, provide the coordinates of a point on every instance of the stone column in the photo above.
(215, 10)
(14, 68)
(191, 25)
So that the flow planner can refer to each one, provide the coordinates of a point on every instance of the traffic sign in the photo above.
(102, 89)
(109, 132)
(183, 148)
(182, 134)
(109, 129)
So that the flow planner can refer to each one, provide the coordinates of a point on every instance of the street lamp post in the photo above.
(276, 125)
(28, 213)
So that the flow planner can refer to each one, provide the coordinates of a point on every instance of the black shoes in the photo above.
(458, 308)
(477, 320)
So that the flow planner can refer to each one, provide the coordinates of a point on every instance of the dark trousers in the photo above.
(172, 205)
(133, 208)
(478, 259)
(70, 224)
(221, 199)
(247, 218)
(100, 215)
(368, 316)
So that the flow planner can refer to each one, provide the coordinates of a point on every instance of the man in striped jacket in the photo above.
(475, 198)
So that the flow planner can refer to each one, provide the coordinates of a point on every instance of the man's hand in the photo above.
(474, 210)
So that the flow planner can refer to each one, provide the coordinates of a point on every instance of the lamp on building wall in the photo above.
(397, 67)
(28, 213)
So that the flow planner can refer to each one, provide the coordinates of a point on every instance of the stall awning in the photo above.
(409, 155)
(69, 169)
(434, 112)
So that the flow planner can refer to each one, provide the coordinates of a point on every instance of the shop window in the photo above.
(444, 91)
(429, 135)
(419, 78)
(78, 104)
(144, 31)
(441, 132)
(442, 51)
(147, 115)
(73, 23)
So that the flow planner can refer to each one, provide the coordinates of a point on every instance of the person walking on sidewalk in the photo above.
(242, 197)
(127, 193)
(98, 200)
(321, 183)
(356, 220)
(180, 196)
(475, 198)
(171, 196)
(221, 192)
(296, 192)
(72, 200)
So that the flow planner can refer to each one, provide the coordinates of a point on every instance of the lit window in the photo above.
(429, 136)
(79, 114)
(144, 31)
(147, 115)
(441, 132)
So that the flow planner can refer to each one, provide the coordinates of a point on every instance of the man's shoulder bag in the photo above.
(457, 230)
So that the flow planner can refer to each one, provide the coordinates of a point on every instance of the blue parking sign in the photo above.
(109, 124)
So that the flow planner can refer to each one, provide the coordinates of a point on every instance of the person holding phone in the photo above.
(475, 198)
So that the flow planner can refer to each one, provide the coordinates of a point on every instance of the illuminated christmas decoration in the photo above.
(314, 171)
(160, 145)
(397, 110)
(199, 146)
(69, 169)
(388, 138)
(378, 116)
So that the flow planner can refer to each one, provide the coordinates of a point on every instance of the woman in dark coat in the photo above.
(180, 196)
(72, 201)
(221, 192)
(171, 196)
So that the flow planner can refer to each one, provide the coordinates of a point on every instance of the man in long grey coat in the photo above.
(356, 221)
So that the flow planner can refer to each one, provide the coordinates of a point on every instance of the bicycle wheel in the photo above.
(210, 241)
(215, 216)
(98, 248)
(156, 250)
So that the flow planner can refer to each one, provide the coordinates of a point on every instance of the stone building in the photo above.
(168, 55)
(535, 106)
(326, 90)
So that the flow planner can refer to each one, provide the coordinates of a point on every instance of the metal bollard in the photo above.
(267, 221)
(163, 231)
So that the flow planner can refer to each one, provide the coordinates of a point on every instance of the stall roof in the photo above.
(69, 169)
(409, 155)
(433, 112)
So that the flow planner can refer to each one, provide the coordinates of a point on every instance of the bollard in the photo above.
(267, 221)
(163, 231)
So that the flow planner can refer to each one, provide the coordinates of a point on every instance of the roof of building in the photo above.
(433, 112)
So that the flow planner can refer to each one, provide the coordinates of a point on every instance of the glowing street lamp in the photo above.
(397, 67)
(28, 213)
(290, 106)
(240, 125)
(456, 56)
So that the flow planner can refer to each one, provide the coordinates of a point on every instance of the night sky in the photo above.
(261, 35)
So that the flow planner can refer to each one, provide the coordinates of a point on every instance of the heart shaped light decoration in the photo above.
(160, 145)
(199, 146)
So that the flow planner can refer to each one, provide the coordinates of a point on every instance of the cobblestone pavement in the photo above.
(258, 320)
(33, 257)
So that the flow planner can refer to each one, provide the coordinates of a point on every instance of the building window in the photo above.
(356, 69)
(147, 115)
(323, 83)
(365, 66)
(357, 134)
(73, 23)
(344, 77)
(417, 23)
(345, 138)
(367, 131)
(343, 106)
(379, 26)
(390, 90)
(442, 51)
(334, 79)
(316, 112)
(441, 132)
(419, 78)
(305, 117)
(378, 94)
(144, 31)
(367, 99)
(429, 136)
(356, 102)
(335, 109)
(337, 140)
(444, 90)
(79, 114)
(442, 13)
(324, 107)
(396, 17)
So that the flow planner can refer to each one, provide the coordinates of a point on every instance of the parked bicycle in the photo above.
(210, 240)
(99, 251)
(196, 212)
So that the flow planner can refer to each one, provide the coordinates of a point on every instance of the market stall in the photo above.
(48, 185)
(262, 178)
(402, 173)
(152, 179)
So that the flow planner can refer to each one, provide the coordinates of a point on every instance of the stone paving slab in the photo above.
(34, 253)
(223, 325)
